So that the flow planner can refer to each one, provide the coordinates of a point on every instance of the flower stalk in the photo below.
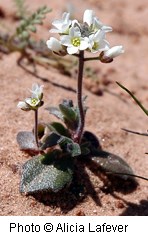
(79, 132)
(33, 103)
(36, 127)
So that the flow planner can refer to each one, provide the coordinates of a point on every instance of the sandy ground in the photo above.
(107, 114)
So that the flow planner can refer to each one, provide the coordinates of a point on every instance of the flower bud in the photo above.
(56, 46)
(23, 106)
(108, 55)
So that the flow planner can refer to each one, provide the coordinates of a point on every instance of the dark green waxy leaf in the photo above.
(68, 112)
(92, 139)
(85, 148)
(26, 141)
(58, 128)
(50, 140)
(50, 172)
(112, 164)
(71, 147)
(56, 112)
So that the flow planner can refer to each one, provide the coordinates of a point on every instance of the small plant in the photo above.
(58, 147)
(23, 41)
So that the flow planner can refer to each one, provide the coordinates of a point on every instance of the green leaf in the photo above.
(56, 112)
(92, 139)
(112, 164)
(135, 99)
(41, 129)
(68, 112)
(21, 8)
(58, 128)
(70, 146)
(37, 21)
(31, 28)
(24, 35)
(26, 141)
(85, 148)
(28, 23)
(50, 140)
(50, 172)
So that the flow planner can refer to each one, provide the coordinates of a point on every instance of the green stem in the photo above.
(130, 175)
(79, 131)
(95, 58)
(135, 99)
(36, 128)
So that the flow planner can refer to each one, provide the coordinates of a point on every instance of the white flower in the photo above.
(97, 42)
(56, 46)
(23, 105)
(33, 102)
(87, 35)
(62, 26)
(37, 91)
(94, 23)
(113, 52)
(74, 41)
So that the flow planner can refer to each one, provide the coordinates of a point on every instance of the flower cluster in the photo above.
(89, 35)
(33, 102)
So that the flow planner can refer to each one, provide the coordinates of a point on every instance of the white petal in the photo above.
(106, 28)
(74, 32)
(97, 23)
(72, 50)
(37, 91)
(104, 46)
(35, 86)
(28, 101)
(83, 45)
(54, 30)
(22, 105)
(99, 36)
(75, 23)
(66, 40)
(88, 16)
(65, 17)
(54, 44)
(61, 25)
(114, 52)
(77, 32)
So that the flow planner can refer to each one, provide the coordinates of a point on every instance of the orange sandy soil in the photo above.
(107, 114)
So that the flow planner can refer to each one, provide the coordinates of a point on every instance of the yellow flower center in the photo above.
(34, 101)
(76, 42)
(96, 45)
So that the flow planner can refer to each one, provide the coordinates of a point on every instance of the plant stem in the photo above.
(135, 99)
(79, 131)
(36, 128)
(90, 59)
